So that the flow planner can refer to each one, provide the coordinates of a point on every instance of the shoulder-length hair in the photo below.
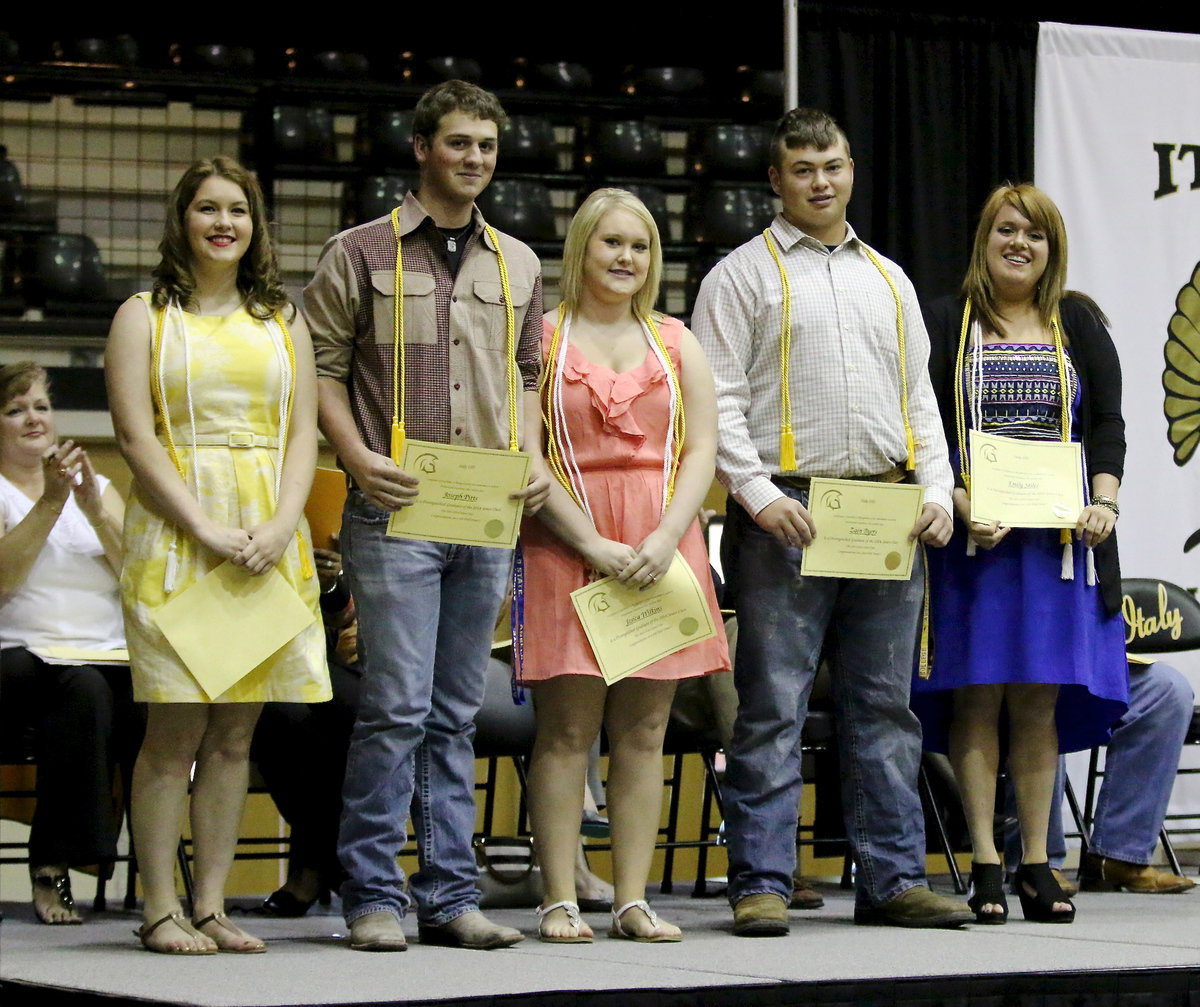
(583, 225)
(1039, 209)
(258, 270)
(16, 379)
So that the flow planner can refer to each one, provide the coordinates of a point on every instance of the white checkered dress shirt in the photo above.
(845, 378)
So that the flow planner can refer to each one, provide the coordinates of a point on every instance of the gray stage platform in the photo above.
(308, 964)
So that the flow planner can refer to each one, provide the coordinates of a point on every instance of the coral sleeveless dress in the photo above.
(618, 425)
(233, 371)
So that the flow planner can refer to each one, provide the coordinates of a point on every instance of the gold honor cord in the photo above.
(787, 438)
(910, 445)
(961, 422)
(399, 374)
(552, 380)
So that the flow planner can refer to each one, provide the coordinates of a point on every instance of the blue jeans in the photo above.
(1139, 773)
(426, 613)
(868, 629)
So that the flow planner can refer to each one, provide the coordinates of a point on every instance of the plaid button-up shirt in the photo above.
(845, 375)
(454, 328)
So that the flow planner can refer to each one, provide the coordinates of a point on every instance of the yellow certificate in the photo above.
(629, 628)
(1025, 484)
(464, 495)
(226, 624)
(862, 529)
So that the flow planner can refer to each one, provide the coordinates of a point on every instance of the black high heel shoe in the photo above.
(283, 904)
(1038, 904)
(987, 888)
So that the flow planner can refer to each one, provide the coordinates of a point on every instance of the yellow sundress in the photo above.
(234, 371)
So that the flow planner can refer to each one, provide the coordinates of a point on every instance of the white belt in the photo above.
(236, 439)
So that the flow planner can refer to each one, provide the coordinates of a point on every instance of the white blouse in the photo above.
(71, 596)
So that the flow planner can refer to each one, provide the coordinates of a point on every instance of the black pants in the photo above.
(83, 728)
(300, 750)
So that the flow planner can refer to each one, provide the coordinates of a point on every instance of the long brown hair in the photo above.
(1039, 209)
(258, 270)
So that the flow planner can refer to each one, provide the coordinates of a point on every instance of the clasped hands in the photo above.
(638, 567)
(66, 470)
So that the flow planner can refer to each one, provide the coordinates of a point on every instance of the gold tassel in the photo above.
(306, 567)
(912, 448)
(924, 659)
(397, 441)
(787, 450)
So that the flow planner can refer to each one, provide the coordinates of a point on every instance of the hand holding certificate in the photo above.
(863, 529)
(465, 496)
(630, 628)
(1025, 484)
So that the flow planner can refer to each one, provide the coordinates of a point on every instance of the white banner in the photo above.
(1118, 149)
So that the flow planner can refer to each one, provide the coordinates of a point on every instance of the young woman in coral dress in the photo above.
(620, 383)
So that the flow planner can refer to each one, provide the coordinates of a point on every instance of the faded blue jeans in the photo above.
(868, 631)
(1139, 773)
(426, 612)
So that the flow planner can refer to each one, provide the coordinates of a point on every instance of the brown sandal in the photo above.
(223, 921)
(146, 929)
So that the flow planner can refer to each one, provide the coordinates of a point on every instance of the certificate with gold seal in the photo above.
(1026, 484)
(630, 628)
(464, 495)
(862, 529)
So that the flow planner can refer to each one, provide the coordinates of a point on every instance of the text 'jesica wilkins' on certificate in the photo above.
(630, 628)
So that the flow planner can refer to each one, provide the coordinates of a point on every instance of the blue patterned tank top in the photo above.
(1021, 393)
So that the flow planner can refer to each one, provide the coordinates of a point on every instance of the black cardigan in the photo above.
(1101, 426)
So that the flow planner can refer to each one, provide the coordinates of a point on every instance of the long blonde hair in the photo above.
(587, 218)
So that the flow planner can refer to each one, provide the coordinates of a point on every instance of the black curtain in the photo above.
(938, 111)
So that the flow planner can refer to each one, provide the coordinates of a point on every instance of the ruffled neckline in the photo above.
(612, 394)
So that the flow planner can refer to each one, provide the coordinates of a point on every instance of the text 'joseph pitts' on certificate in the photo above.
(1025, 484)
(862, 529)
(464, 495)
(630, 628)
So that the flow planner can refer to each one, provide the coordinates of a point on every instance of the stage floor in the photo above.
(1156, 937)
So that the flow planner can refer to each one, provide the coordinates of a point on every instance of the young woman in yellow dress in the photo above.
(631, 432)
(213, 395)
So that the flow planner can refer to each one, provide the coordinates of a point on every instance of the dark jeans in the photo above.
(83, 729)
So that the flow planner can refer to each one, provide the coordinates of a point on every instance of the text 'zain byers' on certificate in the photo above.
(1025, 484)
(464, 497)
(862, 529)
(630, 628)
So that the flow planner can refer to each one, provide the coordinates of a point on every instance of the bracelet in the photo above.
(1107, 502)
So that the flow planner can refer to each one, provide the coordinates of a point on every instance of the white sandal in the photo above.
(572, 911)
(654, 938)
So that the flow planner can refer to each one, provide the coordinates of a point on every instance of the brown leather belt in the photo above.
(896, 474)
